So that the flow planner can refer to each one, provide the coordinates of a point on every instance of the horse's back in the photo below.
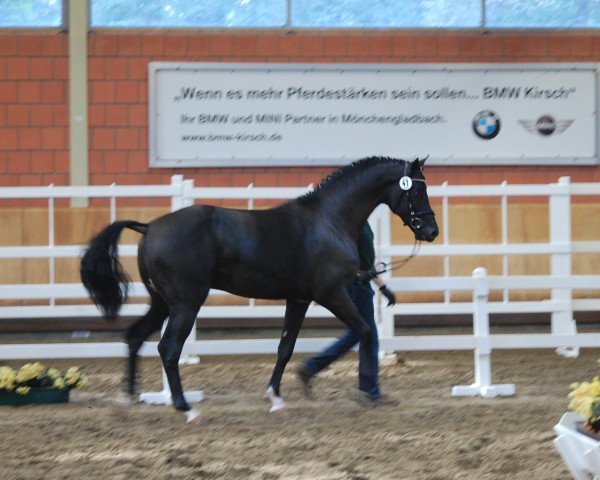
(273, 253)
(179, 227)
(208, 246)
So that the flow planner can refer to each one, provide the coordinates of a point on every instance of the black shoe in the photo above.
(305, 379)
(366, 400)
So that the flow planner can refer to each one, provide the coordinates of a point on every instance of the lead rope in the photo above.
(390, 266)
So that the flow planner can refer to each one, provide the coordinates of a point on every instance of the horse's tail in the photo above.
(101, 272)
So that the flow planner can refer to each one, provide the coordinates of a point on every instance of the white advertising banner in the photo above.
(219, 114)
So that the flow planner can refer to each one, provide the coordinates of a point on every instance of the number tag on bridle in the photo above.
(405, 183)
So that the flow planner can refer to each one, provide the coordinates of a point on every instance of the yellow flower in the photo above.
(29, 371)
(59, 383)
(7, 378)
(23, 390)
(83, 381)
(585, 397)
(37, 375)
(72, 376)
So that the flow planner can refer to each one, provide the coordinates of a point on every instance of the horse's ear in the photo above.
(420, 162)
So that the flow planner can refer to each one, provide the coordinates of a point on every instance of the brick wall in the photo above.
(34, 95)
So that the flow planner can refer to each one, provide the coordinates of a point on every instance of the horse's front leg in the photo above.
(339, 303)
(294, 316)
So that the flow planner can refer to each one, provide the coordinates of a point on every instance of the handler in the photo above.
(361, 294)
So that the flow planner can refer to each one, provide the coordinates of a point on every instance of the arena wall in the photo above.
(34, 111)
(34, 128)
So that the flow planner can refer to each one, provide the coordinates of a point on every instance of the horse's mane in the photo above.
(351, 169)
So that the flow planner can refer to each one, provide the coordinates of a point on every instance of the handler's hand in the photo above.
(389, 295)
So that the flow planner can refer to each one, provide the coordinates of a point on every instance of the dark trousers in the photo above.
(361, 294)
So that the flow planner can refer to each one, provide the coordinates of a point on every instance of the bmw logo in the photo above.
(486, 124)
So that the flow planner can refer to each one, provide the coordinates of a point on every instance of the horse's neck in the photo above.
(352, 201)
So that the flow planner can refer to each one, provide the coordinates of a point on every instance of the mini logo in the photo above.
(486, 124)
(546, 125)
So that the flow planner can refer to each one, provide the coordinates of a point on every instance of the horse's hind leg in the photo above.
(182, 317)
(138, 333)
(294, 316)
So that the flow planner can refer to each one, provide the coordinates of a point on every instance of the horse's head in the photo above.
(408, 199)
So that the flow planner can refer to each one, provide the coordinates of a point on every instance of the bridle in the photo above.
(415, 217)
(406, 183)
(415, 221)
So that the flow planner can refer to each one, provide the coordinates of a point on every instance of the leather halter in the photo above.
(415, 222)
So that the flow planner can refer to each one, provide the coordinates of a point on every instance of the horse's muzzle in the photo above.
(427, 232)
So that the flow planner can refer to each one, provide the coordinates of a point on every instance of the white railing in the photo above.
(560, 247)
(560, 281)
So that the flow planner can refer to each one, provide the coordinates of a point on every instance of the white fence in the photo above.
(560, 281)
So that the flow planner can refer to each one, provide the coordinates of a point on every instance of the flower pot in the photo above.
(35, 396)
(579, 449)
(581, 429)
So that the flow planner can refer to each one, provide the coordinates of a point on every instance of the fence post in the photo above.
(184, 199)
(562, 322)
(483, 349)
(177, 199)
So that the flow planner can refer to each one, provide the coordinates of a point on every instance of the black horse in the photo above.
(302, 250)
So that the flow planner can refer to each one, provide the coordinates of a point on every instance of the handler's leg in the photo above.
(368, 382)
(361, 295)
(309, 368)
(369, 393)
(340, 304)
(335, 350)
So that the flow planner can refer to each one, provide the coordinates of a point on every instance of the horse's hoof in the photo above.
(192, 417)
(277, 403)
(278, 409)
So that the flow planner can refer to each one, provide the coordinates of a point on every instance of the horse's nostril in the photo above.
(433, 233)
